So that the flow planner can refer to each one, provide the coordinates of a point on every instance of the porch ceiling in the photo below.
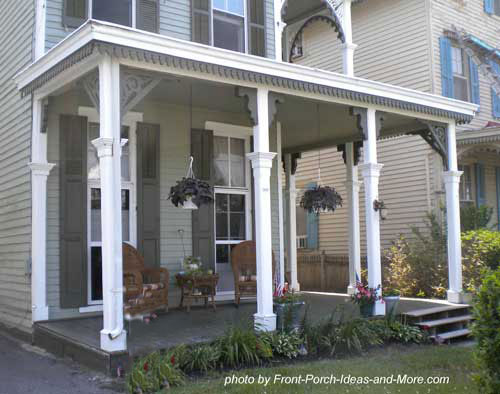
(82, 50)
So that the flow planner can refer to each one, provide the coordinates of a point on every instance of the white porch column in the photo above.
(291, 213)
(353, 186)
(40, 170)
(348, 47)
(452, 181)
(262, 162)
(280, 205)
(371, 174)
(113, 337)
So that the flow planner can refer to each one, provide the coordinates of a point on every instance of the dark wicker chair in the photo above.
(244, 266)
(145, 289)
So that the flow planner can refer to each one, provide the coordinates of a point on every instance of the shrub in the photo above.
(241, 346)
(201, 358)
(474, 218)
(486, 330)
(154, 373)
(481, 247)
(283, 343)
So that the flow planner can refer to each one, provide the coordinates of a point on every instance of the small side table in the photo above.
(195, 287)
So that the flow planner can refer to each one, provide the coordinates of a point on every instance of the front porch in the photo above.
(117, 113)
(82, 340)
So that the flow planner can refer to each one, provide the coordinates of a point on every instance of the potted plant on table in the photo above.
(288, 307)
(391, 299)
(366, 297)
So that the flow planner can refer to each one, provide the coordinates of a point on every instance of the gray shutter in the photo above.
(73, 211)
(200, 21)
(148, 15)
(256, 27)
(203, 219)
(148, 192)
(74, 13)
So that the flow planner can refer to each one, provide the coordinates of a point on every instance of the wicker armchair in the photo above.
(244, 266)
(145, 289)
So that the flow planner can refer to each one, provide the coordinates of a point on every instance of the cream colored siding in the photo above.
(17, 22)
(470, 17)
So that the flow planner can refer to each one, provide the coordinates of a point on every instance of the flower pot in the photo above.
(366, 310)
(391, 304)
(288, 315)
(189, 204)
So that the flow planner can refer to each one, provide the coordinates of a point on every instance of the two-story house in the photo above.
(105, 105)
(444, 47)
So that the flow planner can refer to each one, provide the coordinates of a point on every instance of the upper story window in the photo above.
(76, 12)
(459, 73)
(492, 6)
(237, 25)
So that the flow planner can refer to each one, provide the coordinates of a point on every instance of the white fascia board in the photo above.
(128, 37)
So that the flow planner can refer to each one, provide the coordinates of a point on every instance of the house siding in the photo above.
(175, 21)
(17, 20)
(175, 148)
(470, 17)
(407, 183)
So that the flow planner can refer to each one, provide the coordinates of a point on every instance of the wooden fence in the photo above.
(318, 271)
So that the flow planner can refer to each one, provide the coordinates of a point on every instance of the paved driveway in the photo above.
(25, 369)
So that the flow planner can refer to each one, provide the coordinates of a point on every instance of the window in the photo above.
(495, 94)
(232, 201)
(496, 7)
(460, 77)
(237, 25)
(301, 227)
(115, 11)
(465, 190)
(492, 7)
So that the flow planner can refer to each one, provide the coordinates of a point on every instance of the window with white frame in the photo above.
(232, 201)
(460, 74)
(140, 14)
(465, 190)
(229, 24)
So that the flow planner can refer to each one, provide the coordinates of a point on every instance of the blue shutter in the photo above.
(497, 173)
(474, 82)
(480, 190)
(495, 98)
(489, 6)
(312, 226)
(446, 67)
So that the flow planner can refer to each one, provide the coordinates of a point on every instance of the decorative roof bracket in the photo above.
(295, 157)
(435, 135)
(357, 151)
(250, 95)
(361, 115)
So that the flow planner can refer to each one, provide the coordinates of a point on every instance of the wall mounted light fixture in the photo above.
(379, 206)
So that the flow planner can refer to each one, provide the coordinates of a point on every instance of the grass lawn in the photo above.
(454, 362)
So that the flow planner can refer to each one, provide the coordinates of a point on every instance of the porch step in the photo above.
(442, 323)
(435, 310)
(446, 321)
(446, 336)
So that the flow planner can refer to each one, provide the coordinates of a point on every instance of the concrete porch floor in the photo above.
(200, 325)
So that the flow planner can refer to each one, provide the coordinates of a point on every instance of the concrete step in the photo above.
(446, 336)
(443, 322)
(435, 310)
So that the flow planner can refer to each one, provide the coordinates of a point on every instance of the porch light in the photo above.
(379, 206)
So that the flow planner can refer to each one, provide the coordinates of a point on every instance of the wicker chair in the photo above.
(145, 289)
(244, 266)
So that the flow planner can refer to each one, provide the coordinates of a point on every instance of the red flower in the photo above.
(145, 367)
(172, 360)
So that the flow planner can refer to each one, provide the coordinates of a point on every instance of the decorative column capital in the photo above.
(451, 177)
(349, 46)
(104, 147)
(371, 169)
(41, 169)
(356, 185)
(261, 159)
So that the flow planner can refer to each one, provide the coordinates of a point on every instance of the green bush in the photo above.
(201, 358)
(241, 347)
(154, 373)
(474, 218)
(481, 247)
(284, 343)
(486, 330)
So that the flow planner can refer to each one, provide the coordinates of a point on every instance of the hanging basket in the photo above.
(191, 193)
(321, 199)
